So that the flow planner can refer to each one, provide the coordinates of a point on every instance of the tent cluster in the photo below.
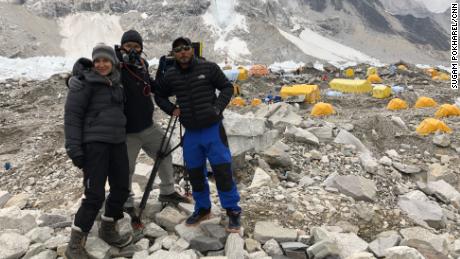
(429, 125)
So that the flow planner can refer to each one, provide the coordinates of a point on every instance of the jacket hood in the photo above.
(84, 70)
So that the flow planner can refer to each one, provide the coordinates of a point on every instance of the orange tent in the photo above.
(258, 70)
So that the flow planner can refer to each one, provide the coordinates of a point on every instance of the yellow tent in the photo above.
(238, 101)
(447, 110)
(441, 77)
(396, 104)
(256, 102)
(381, 91)
(371, 71)
(374, 79)
(350, 85)
(431, 125)
(350, 73)
(244, 74)
(310, 93)
(431, 72)
(402, 67)
(322, 109)
(424, 102)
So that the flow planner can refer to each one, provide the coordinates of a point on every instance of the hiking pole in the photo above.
(162, 153)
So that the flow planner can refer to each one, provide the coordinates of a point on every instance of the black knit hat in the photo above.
(132, 36)
(103, 51)
(183, 40)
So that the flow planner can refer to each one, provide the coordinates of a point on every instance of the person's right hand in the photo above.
(176, 112)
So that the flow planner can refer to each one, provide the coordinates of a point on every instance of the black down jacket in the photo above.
(195, 91)
(93, 110)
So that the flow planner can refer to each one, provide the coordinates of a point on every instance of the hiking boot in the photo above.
(174, 197)
(108, 232)
(76, 247)
(234, 221)
(135, 220)
(197, 217)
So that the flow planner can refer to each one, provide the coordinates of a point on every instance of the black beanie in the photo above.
(103, 51)
(132, 36)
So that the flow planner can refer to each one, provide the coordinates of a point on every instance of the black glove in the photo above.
(79, 161)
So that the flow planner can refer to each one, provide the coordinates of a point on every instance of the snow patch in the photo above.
(315, 45)
(223, 19)
(36, 68)
(82, 31)
(286, 66)
(165, 3)
(144, 16)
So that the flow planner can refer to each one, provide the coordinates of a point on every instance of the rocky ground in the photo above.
(358, 184)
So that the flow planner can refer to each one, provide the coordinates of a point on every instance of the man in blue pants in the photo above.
(194, 82)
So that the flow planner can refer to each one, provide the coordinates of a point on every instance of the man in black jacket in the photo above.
(194, 81)
(142, 132)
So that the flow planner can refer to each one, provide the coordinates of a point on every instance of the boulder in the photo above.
(357, 187)
(266, 230)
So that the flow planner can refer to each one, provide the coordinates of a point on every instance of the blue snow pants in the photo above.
(210, 143)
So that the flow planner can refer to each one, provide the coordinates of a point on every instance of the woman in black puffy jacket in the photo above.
(95, 138)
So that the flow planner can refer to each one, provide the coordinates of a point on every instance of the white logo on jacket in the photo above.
(201, 77)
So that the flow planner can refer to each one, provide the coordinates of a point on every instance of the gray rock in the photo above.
(442, 140)
(56, 241)
(293, 246)
(49, 219)
(399, 122)
(152, 230)
(357, 187)
(369, 163)
(127, 251)
(143, 244)
(19, 200)
(322, 133)
(407, 169)
(188, 233)
(40, 234)
(48, 254)
(427, 211)
(277, 155)
(384, 160)
(345, 137)
(187, 208)
(383, 242)
(438, 242)
(215, 231)
(171, 255)
(169, 241)
(141, 255)
(252, 245)
(306, 181)
(33, 250)
(301, 135)
(205, 244)
(361, 255)
(271, 247)
(349, 244)
(169, 218)
(180, 245)
(4, 197)
(13, 218)
(323, 249)
(265, 230)
(424, 248)
(402, 252)
(438, 172)
(234, 247)
(97, 248)
(13, 245)
(261, 178)
(279, 114)
(443, 191)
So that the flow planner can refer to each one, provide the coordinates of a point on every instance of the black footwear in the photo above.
(197, 217)
(234, 221)
(174, 197)
(110, 235)
(76, 247)
(135, 220)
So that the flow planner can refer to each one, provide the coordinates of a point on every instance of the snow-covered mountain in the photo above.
(249, 31)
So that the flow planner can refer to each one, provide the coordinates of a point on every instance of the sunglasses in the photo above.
(181, 48)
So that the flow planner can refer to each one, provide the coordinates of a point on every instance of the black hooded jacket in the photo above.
(195, 91)
(93, 110)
